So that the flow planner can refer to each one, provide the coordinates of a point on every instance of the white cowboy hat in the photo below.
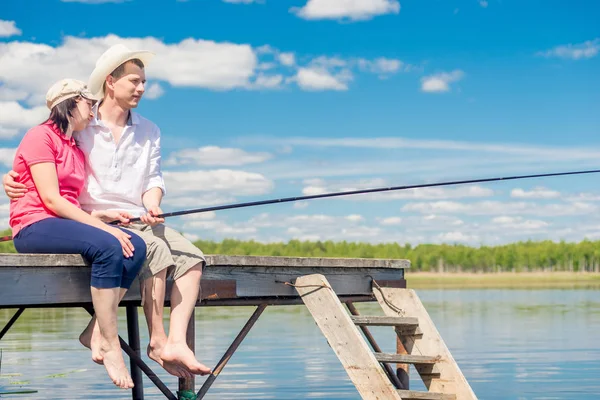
(109, 61)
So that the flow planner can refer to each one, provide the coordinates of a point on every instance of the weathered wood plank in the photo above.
(385, 321)
(406, 358)
(345, 339)
(406, 303)
(51, 260)
(30, 286)
(414, 395)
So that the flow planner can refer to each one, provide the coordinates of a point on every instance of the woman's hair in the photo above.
(61, 112)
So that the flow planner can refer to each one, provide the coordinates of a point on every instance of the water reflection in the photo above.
(510, 344)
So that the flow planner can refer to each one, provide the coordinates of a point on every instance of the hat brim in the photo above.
(99, 74)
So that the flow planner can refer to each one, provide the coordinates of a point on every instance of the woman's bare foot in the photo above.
(92, 339)
(115, 365)
(181, 353)
(155, 349)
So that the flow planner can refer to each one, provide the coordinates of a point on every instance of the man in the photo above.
(124, 177)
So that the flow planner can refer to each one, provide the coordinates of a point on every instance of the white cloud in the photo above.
(198, 200)
(267, 81)
(7, 133)
(518, 223)
(287, 59)
(501, 208)
(222, 180)
(13, 117)
(7, 94)
(319, 186)
(204, 216)
(7, 156)
(201, 63)
(355, 218)
(299, 205)
(382, 66)
(315, 79)
(9, 28)
(531, 152)
(456, 236)
(219, 227)
(440, 82)
(243, 1)
(579, 51)
(216, 156)
(346, 9)
(154, 91)
(391, 221)
(483, 3)
(535, 193)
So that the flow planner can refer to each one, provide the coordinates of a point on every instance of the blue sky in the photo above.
(278, 98)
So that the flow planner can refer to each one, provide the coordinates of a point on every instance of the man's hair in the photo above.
(120, 70)
(61, 112)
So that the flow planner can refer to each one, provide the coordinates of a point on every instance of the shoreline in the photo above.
(502, 280)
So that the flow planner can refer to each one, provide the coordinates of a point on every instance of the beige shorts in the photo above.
(167, 248)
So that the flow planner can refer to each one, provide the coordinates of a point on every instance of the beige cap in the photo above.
(67, 89)
(109, 61)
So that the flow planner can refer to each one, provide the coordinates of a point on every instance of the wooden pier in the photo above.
(324, 285)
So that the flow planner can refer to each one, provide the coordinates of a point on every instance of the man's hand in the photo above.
(150, 217)
(13, 189)
(110, 216)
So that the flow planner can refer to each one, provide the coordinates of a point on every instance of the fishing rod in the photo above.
(362, 191)
(348, 193)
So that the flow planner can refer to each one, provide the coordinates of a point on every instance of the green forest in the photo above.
(516, 257)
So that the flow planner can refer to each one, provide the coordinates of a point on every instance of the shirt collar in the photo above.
(133, 119)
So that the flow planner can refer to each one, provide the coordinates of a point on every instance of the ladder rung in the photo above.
(407, 322)
(414, 395)
(406, 358)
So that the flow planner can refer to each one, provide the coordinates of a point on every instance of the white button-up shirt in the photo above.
(118, 174)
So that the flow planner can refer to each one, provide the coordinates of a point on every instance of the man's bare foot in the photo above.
(181, 353)
(115, 366)
(92, 339)
(155, 350)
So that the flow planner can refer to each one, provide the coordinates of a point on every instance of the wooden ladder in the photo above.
(404, 311)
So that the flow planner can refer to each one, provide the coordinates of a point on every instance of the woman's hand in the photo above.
(111, 216)
(123, 238)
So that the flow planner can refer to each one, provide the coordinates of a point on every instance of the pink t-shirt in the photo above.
(45, 143)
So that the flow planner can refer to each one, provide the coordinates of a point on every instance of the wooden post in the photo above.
(133, 336)
(402, 370)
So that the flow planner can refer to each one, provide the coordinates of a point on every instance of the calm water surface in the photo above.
(510, 344)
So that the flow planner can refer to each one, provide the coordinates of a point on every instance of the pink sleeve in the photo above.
(37, 146)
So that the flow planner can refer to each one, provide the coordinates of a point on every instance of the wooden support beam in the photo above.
(11, 322)
(344, 338)
(229, 353)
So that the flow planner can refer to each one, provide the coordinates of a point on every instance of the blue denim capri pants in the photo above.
(110, 268)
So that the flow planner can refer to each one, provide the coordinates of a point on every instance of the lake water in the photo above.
(510, 344)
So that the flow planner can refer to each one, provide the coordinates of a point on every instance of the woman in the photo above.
(48, 219)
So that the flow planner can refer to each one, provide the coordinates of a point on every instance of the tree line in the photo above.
(515, 257)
